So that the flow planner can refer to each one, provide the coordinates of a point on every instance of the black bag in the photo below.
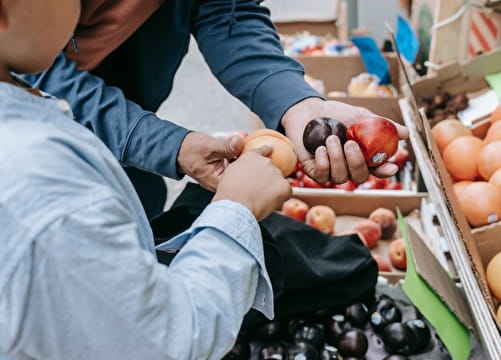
(309, 270)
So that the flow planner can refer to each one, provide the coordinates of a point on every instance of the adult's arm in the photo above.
(136, 137)
(86, 289)
(241, 46)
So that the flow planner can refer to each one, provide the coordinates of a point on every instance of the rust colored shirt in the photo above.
(104, 25)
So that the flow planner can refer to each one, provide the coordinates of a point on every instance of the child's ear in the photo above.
(4, 22)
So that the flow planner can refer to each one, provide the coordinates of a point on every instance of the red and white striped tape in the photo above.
(484, 32)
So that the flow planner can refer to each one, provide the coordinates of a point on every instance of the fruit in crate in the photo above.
(400, 158)
(319, 129)
(459, 186)
(447, 130)
(283, 154)
(496, 114)
(377, 138)
(493, 275)
(382, 264)
(494, 133)
(481, 203)
(371, 232)
(241, 351)
(397, 255)
(489, 159)
(387, 220)
(353, 343)
(461, 157)
(322, 218)
(295, 209)
(495, 179)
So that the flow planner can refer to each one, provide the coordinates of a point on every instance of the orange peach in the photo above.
(322, 218)
(283, 154)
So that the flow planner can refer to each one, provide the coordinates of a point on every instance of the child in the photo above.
(78, 274)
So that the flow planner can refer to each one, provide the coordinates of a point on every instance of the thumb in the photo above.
(264, 150)
(229, 148)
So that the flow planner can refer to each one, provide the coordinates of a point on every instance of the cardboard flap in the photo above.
(428, 267)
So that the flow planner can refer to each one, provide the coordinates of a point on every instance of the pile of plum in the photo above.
(389, 330)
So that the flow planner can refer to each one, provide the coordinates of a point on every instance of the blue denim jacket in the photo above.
(78, 274)
(239, 43)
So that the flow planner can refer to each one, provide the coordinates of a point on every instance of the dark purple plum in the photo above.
(353, 343)
(319, 129)
(333, 329)
(310, 333)
(274, 351)
(357, 314)
(240, 351)
(302, 350)
(398, 338)
(422, 333)
(271, 331)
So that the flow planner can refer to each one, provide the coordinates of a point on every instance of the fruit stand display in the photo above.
(458, 160)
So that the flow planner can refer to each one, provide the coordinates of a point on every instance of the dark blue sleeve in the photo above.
(136, 137)
(241, 46)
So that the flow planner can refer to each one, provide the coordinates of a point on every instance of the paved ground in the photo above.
(200, 103)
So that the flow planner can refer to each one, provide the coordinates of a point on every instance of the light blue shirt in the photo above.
(78, 274)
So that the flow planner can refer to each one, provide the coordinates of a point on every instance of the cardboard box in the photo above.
(347, 218)
(471, 249)
(336, 73)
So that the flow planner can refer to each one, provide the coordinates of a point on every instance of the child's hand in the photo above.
(253, 181)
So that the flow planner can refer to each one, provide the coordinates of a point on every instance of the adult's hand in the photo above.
(261, 194)
(333, 162)
(204, 157)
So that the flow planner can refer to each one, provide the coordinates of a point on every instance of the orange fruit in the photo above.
(493, 275)
(496, 115)
(489, 159)
(283, 154)
(461, 156)
(447, 130)
(493, 133)
(460, 185)
(481, 203)
(495, 179)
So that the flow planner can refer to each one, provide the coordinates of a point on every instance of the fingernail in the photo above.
(332, 140)
(351, 147)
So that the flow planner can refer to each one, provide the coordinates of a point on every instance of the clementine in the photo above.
(489, 159)
(494, 133)
(461, 156)
(447, 130)
(495, 179)
(496, 115)
(493, 275)
(481, 203)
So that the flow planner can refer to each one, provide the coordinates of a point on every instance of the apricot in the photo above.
(322, 218)
(493, 276)
(371, 232)
(387, 220)
(283, 154)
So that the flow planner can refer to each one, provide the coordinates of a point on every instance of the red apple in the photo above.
(322, 218)
(294, 182)
(400, 158)
(371, 232)
(310, 183)
(382, 264)
(377, 138)
(295, 208)
(393, 185)
(387, 220)
(348, 186)
(396, 253)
